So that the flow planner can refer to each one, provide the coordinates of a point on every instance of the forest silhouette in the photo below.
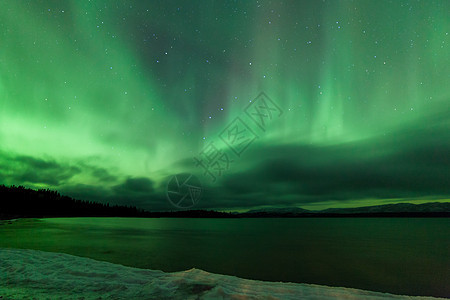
(18, 201)
(22, 202)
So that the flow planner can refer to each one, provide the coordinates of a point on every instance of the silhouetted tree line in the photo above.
(18, 201)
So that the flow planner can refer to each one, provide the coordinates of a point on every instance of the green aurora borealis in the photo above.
(106, 100)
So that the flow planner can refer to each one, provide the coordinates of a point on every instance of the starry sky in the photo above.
(314, 104)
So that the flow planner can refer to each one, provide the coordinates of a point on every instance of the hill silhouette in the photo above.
(431, 209)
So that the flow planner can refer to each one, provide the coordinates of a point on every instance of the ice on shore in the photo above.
(36, 274)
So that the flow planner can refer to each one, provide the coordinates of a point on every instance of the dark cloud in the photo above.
(20, 169)
(102, 175)
(38, 164)
(29, 170)
(87, 192)
(139, 192)
(107, 188)
(140, 185)
(409, 163)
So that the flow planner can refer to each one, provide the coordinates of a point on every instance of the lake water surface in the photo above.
(398, 255)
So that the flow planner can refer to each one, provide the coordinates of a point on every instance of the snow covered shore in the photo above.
(33, 274)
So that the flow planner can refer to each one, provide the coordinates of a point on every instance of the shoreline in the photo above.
(48, 274)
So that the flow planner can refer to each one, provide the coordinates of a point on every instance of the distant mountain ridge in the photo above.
(394, 208)
(442, 208)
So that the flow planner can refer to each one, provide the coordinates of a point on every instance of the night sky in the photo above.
(314, 104)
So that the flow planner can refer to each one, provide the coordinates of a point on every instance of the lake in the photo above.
(409, 256)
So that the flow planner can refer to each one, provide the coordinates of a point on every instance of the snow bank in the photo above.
(41, 275)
